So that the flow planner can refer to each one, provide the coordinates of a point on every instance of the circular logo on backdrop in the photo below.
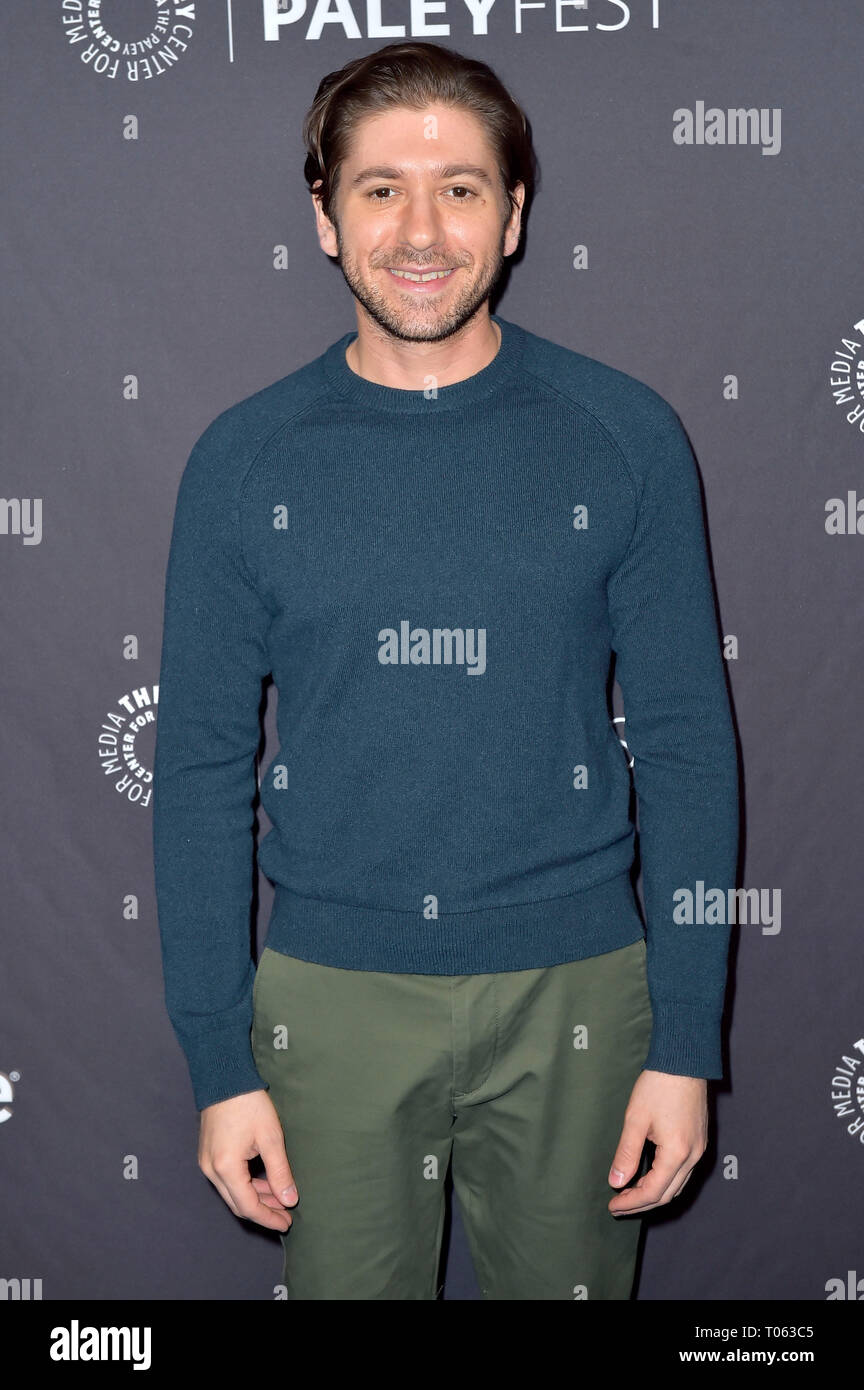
(847, 1090)
(7, 1093)
(847, 376)
(621, 719)
(127, 741)
(134, 40)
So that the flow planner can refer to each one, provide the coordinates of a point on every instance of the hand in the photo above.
(232, 1132)
(671, 1111)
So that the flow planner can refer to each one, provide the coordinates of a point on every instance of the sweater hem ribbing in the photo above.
(525, 936)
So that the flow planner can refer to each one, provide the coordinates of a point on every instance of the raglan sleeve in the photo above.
(214, 657)
(680, 734)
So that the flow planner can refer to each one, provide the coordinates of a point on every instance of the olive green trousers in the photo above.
(519, 1079)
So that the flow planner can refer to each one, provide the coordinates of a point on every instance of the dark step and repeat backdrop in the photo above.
(698, 226)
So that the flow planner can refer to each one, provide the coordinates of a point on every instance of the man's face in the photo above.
(420, 191)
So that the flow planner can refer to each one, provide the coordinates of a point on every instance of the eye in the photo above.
(459, 187)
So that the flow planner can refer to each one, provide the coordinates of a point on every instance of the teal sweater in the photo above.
(437, 583)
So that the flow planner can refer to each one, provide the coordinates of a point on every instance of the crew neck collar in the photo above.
(478, 387)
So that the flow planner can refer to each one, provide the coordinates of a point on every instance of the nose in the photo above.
(422, 220)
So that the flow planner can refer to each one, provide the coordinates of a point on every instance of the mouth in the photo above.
(422, 280)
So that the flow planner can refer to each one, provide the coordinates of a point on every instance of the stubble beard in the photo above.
(421, 323)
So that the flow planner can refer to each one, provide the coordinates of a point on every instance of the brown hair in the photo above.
(415, 75)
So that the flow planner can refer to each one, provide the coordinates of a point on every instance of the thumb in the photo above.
(627, 1154)
(278, 1171)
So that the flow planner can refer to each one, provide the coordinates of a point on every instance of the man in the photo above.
(434, 536)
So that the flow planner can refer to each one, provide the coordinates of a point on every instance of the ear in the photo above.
(514, 222)
(326, 231)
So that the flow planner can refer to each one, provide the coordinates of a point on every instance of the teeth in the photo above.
(421, 279)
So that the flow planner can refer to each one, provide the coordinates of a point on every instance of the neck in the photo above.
(378, 357)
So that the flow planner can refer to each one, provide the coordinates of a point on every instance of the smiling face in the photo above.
(420, 192)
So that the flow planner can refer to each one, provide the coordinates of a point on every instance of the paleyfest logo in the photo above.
(120, 744)
(847, 376)
(125, 45)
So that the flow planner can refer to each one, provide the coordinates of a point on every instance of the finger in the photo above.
(676, 1187)
(677, 1183)
(271, 1147)
(262, 1187)
(680, 1188)
(223, 1192)
(651, 1187)
(628, 1153)
(657, 1189)
(246, 1202)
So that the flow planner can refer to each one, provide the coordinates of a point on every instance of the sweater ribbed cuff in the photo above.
(685, 1040)
(221, 1065)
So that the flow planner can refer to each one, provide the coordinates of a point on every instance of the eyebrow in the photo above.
(438, 171)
